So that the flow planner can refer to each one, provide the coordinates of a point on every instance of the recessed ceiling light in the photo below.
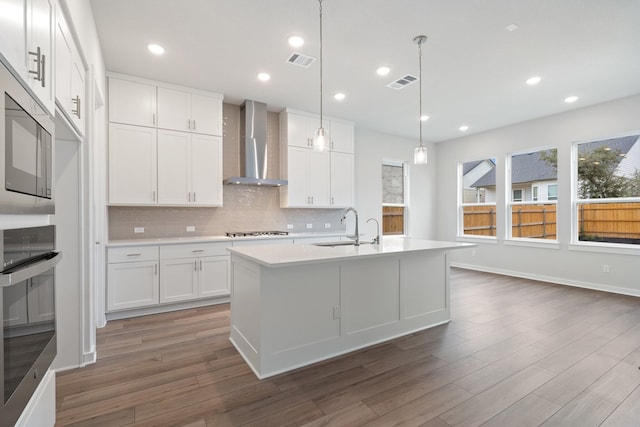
(464, 128)
(296, 41)
(570, 99)
(424, 118)
(156, 49)
(383, 71)
(511, 27)
(532, 81)
(339, 96)
(263, 77)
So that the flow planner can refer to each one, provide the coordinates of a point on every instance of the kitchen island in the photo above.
(293, 305)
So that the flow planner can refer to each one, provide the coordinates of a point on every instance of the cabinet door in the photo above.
(12, 36)
(40, 34)
(14, 304)
(174, 109)
(179, 279)
(298, 130)
(41, 299)
(132, 164)
(297, 188)
(77, 91)
(63, 67)
(132, 102)
(214, 276)
(341, 180)
(206, 115)
(132, 285)
(206, 170)
(341, 137)
(173, 167)
(319, 178)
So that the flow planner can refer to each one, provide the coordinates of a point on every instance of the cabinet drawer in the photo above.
(132, 253)
(194, 250)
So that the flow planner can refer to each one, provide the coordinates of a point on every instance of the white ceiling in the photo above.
(473, 68)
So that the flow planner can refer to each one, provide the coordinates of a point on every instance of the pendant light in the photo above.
(420, 154)
(320, 137)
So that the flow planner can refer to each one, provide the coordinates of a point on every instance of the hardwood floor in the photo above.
(517, 352)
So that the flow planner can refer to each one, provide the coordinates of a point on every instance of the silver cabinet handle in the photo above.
(194, 124)
(153, 195)
(155, 269)
(76, 101)
(195, 265)
(332, 201)
(195, 251)
(188, 123)
(43, 72)
(134, 254)
(200, 265)
(38, 61)
(194, 197)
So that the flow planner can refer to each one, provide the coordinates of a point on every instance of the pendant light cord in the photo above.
(420, 72)
(320, 63)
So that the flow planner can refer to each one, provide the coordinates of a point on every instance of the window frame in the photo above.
(594, 246)
(510, 203)
(405, 214)
(460, 236)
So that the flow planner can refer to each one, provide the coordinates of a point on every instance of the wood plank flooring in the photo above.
(517, 352)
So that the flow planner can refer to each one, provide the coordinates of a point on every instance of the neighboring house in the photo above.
(471, 172)
(627, 146)
(532, 179)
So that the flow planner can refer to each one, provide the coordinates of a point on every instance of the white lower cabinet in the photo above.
(132, 277)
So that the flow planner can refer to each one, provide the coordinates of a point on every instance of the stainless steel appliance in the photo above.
(27, 310)
(26, 151)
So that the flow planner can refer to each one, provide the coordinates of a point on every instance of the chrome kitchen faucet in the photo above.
(357, 234)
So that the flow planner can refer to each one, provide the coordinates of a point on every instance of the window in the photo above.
(607, 185)
(393, 197)
(532, 211)
(477, 201)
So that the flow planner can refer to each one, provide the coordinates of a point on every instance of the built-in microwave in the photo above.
(27, 313)
(26, 151)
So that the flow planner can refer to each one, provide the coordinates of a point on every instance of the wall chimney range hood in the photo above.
(253, 147)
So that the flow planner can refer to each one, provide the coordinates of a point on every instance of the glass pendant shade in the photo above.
(320, 140)
(420, 156)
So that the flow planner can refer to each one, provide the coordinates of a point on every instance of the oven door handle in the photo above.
(29, 271)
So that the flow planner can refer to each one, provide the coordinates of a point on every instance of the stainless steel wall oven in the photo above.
(27, 310)
(26, 151)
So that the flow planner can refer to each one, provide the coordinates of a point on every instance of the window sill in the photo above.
(533, 243)
(478, 239)
(610, 248)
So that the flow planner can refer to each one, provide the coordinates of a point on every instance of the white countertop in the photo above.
(280, 255)
(213, 239)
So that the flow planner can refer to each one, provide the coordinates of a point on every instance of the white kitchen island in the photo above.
(293, 305)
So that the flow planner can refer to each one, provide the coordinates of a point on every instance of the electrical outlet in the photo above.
(138, 229)
(327, 225)
(191, 228)
(289, 226)
(309, 226)
(605, 268)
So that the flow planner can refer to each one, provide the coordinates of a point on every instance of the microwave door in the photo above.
(21, 135)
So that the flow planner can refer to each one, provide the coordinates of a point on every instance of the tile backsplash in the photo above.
(245, 208)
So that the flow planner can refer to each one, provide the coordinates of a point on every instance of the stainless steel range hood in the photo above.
(253, 147)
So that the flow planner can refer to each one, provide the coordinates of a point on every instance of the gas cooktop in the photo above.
(255, 233)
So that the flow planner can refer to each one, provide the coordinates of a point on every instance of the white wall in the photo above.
(371, 148)
(564, 264)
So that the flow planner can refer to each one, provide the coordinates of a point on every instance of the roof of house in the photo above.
(530, 167)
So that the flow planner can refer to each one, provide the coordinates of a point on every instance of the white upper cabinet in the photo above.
(189, 112)
(70, 76)
(315, 179)
(40, 40)
(132, 164)
(206, 170)
(27, 44)
(132, 102)
(341, 137)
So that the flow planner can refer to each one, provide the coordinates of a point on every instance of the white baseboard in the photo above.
(90, 357)
(550, 279)
(165, 308)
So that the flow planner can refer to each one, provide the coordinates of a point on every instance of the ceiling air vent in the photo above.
(402, 82)
(301, 60)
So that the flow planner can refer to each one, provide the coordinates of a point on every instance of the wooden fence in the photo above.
(612, 222)
(392, 220)
(609, 221)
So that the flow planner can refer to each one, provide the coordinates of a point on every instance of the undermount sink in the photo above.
(340, 243)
